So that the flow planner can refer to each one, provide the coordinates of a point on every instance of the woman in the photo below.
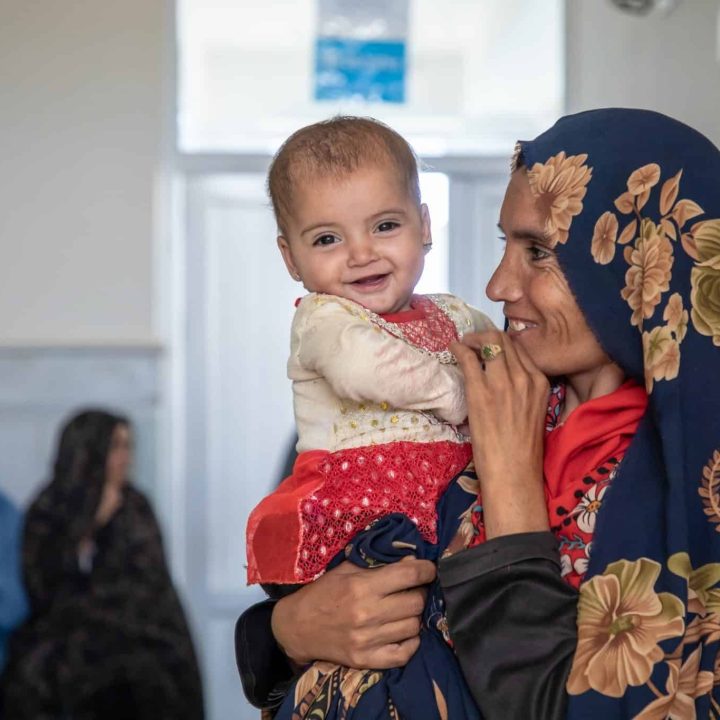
(107, 637)
(610, 280)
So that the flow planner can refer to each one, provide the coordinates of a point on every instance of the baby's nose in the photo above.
(362, 251)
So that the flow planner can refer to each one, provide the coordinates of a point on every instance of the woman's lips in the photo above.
(519, 326)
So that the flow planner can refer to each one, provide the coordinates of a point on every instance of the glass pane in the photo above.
(481, 74)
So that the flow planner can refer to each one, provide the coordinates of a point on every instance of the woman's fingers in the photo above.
(468, 361)
(386, 614)
(399, 631)
(396, 654)
(489, 339)
(390, 655)
(384, 646)
(528, 363)
(489, 348)
(389, 580)
(512, 355)
(404, 575)
(382, 657)
(355, 617)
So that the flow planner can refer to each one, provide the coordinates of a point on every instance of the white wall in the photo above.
(661, 62)
(80, 141)
(80, 132)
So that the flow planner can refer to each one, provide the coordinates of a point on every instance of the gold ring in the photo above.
(490, 351)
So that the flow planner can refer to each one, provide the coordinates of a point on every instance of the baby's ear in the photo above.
(286, 253)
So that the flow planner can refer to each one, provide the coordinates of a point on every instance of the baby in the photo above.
(378, 398)
(378, 405)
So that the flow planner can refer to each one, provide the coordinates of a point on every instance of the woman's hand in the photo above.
(507, 400)
(110, 502)
(356, 617)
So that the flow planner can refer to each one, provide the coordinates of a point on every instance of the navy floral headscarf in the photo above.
(631, 200)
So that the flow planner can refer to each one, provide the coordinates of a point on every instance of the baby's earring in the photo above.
(295, 275)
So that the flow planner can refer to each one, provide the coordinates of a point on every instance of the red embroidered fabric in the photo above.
(296, 531)
(425, 325)
(573, 518)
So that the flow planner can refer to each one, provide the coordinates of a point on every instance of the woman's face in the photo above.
(542, 313)
(119, 456)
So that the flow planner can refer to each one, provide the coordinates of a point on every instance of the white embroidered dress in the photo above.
(359, 380)
(377, 405)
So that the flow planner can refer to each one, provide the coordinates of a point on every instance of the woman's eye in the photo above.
(387, 226)
(324, 240)
(539, 253)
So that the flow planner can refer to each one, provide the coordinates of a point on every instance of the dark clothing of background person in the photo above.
(13, 602)
(107, 636)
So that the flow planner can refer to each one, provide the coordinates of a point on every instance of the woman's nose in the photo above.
(505, 283)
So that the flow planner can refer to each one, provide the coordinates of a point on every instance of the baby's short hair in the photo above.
(334, 148)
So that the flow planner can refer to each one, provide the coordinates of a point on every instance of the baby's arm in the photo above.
(362, 362)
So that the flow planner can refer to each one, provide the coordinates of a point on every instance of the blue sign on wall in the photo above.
(371, 70)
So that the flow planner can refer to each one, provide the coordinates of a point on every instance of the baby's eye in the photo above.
(387, 226)
(325, 240)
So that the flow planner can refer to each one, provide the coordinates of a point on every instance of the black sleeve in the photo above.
(265, 671)
(512, 620)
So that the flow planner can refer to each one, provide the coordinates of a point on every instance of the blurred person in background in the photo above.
(106, 636)
(13, 601)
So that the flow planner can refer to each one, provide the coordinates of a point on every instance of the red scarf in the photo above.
(596, 430)
(580, 460)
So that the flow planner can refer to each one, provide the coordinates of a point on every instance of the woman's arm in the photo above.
(507, 400)
(265, 671)
(350, 616)
(511, 616)
(512, 621)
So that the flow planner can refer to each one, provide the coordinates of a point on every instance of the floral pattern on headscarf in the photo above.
(710, 489)
(705, 278)
(643, 262)
(559, 186)
(604, 238)
(621, 620)
(685, 683)
(651, 258)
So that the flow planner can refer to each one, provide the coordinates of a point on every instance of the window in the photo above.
(480, 74)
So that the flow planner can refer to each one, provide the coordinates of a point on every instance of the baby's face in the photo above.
(361, 237)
